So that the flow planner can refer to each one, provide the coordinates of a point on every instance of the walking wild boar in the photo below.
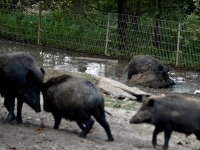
(143, 63)
(170, 113)
(75, 99)
(21, 78)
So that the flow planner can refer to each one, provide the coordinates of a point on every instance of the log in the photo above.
(97, 59)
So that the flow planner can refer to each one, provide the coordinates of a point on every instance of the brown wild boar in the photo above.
(152, 79)
(170, 113)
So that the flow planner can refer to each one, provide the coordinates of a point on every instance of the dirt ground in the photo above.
(36, 133)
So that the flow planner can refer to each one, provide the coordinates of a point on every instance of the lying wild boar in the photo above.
(75, 99)
(143, 63)
(152, 79)
(168, 114)
(21, 78)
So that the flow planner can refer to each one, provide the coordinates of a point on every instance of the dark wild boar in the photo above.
(20, 78)
(168, 114)
(143, 63)
(75, 99)
(152, 79)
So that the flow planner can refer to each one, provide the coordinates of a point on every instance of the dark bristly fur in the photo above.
(143, 63)
(55, 81)
(170, 113)
(22, 78)
(75, 99)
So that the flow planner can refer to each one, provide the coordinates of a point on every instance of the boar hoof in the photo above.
(110, 139)
(154, 143)
(19, 121)
(9, 119)
(13, 117)
(82, 134)
(55, 127)
(165, 148)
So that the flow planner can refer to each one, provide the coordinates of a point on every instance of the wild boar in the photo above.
(21, 78)
(152, 79)
(75, 99)
(143, 63)
(180, 114)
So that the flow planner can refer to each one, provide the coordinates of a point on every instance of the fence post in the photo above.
(39, 22)
(178, 44)
(108, 26)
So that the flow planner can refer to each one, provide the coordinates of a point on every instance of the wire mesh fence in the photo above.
(102, 33)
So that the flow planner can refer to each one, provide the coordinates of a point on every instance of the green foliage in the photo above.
(62, 28)
(19, 27)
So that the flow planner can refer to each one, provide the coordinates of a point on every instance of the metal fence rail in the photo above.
(103, 33)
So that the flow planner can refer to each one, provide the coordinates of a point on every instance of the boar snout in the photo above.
(130, 121)
(134, 120)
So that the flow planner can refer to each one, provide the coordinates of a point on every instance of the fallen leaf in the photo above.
(90, 132)
(179, 143)
(42, 125)
(40, 128)
(12, 147)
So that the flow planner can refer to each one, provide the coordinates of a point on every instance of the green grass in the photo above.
(74, 32)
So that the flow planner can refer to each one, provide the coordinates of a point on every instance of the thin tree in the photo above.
(122, 24)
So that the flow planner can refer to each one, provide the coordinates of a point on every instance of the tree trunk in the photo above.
(156, 38)
(136, 17)
(122, 24)
(156, 33)
(78, 6)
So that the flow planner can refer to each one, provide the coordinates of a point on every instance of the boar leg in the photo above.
(57, 119)
(197, 133)
(168, 132)
(156, 131)
(101, 119)
(80, 125)
(88, 125)
(19, 111)
(9, 103)
(7, 107)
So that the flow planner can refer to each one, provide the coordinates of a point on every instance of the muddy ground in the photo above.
(37, 133)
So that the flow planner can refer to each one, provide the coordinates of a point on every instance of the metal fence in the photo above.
(103, 33)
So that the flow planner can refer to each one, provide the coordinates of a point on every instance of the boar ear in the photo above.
(42, 70)
(150, 102)
(29, 75)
